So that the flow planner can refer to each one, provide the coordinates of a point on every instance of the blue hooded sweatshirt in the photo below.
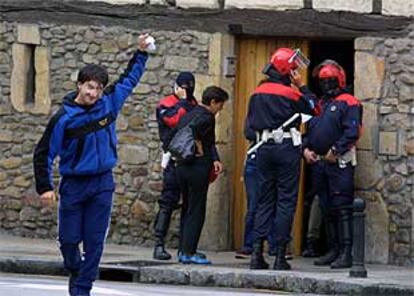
(85, 138)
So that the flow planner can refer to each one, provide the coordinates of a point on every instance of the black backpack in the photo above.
(182, 145)
(182, 142)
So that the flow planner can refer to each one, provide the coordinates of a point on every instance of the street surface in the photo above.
(32, 285)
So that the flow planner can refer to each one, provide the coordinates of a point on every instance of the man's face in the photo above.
(89, 92)
(216, 107)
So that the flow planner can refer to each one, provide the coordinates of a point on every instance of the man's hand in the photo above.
(48, 198)
(199, 148)
(181, 93)
(218, 167)
(296, 79)
(310, 156)
(330, 156)
(142, 44)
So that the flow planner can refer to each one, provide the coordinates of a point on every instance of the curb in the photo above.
(281, 281)
(29, 266)
(210, 276)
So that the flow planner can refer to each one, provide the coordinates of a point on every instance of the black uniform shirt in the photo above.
(273, 103)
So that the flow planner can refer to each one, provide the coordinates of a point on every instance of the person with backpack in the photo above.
(196, 172)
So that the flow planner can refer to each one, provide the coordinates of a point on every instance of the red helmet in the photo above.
(285, 59)
(331, 69)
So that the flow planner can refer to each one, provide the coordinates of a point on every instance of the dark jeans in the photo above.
(193, 179)
(251, 183)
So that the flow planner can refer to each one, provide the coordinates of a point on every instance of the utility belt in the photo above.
(345, 159)
(278, 135)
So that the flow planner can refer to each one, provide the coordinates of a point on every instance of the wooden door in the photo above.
(252, 56)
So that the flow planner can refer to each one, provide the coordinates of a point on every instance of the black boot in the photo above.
(256, 259)
(332, 239)
(280, 259)
(344, 259)
(311, 249)
(160, 253)
(73, 275)
(161, 225)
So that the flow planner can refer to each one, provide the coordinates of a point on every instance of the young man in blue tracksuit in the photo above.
(82, 133)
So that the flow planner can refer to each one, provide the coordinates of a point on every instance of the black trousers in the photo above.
(193, 180)
(278, 167)
(170, 195)
(335, 185)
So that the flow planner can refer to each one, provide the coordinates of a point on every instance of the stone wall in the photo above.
(385, 7)
(138, 174)
(384, 81)
(384, 71)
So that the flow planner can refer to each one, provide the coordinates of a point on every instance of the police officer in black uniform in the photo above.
(330, 149)
(169, 112)
(271, 115)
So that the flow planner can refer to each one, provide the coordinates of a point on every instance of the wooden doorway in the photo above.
(252, 55)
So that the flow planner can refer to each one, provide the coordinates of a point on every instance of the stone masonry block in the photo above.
(212, 4)
(139, 2)
(178, 63)
(215, 232)
(388, 143)
(360, 6)
(21, 54)
(202, 81)
(265, 4)
(367, 43)
(132, 154)
(221, 47)
(42, 96)
(369, 75)
(398, 7)
(409, 147)
(28, 34)
(158, 2)
(368, 171)
(370, 122)
(215, 55)
(377, 236)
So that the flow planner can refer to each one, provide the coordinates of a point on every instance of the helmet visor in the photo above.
(299, 59)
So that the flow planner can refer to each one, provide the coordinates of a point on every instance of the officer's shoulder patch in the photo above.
(349, 99)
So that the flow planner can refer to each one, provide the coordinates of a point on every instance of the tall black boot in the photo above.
(280, 259)
(161, 225)
(332, 239)
(344, 259)
(256, 259)
(311, 249)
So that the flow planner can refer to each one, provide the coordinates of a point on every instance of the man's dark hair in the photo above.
(216, 93)
(93, 72)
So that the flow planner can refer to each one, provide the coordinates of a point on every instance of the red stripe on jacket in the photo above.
(278, 90)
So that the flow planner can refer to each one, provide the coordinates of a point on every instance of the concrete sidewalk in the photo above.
(24, 255)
